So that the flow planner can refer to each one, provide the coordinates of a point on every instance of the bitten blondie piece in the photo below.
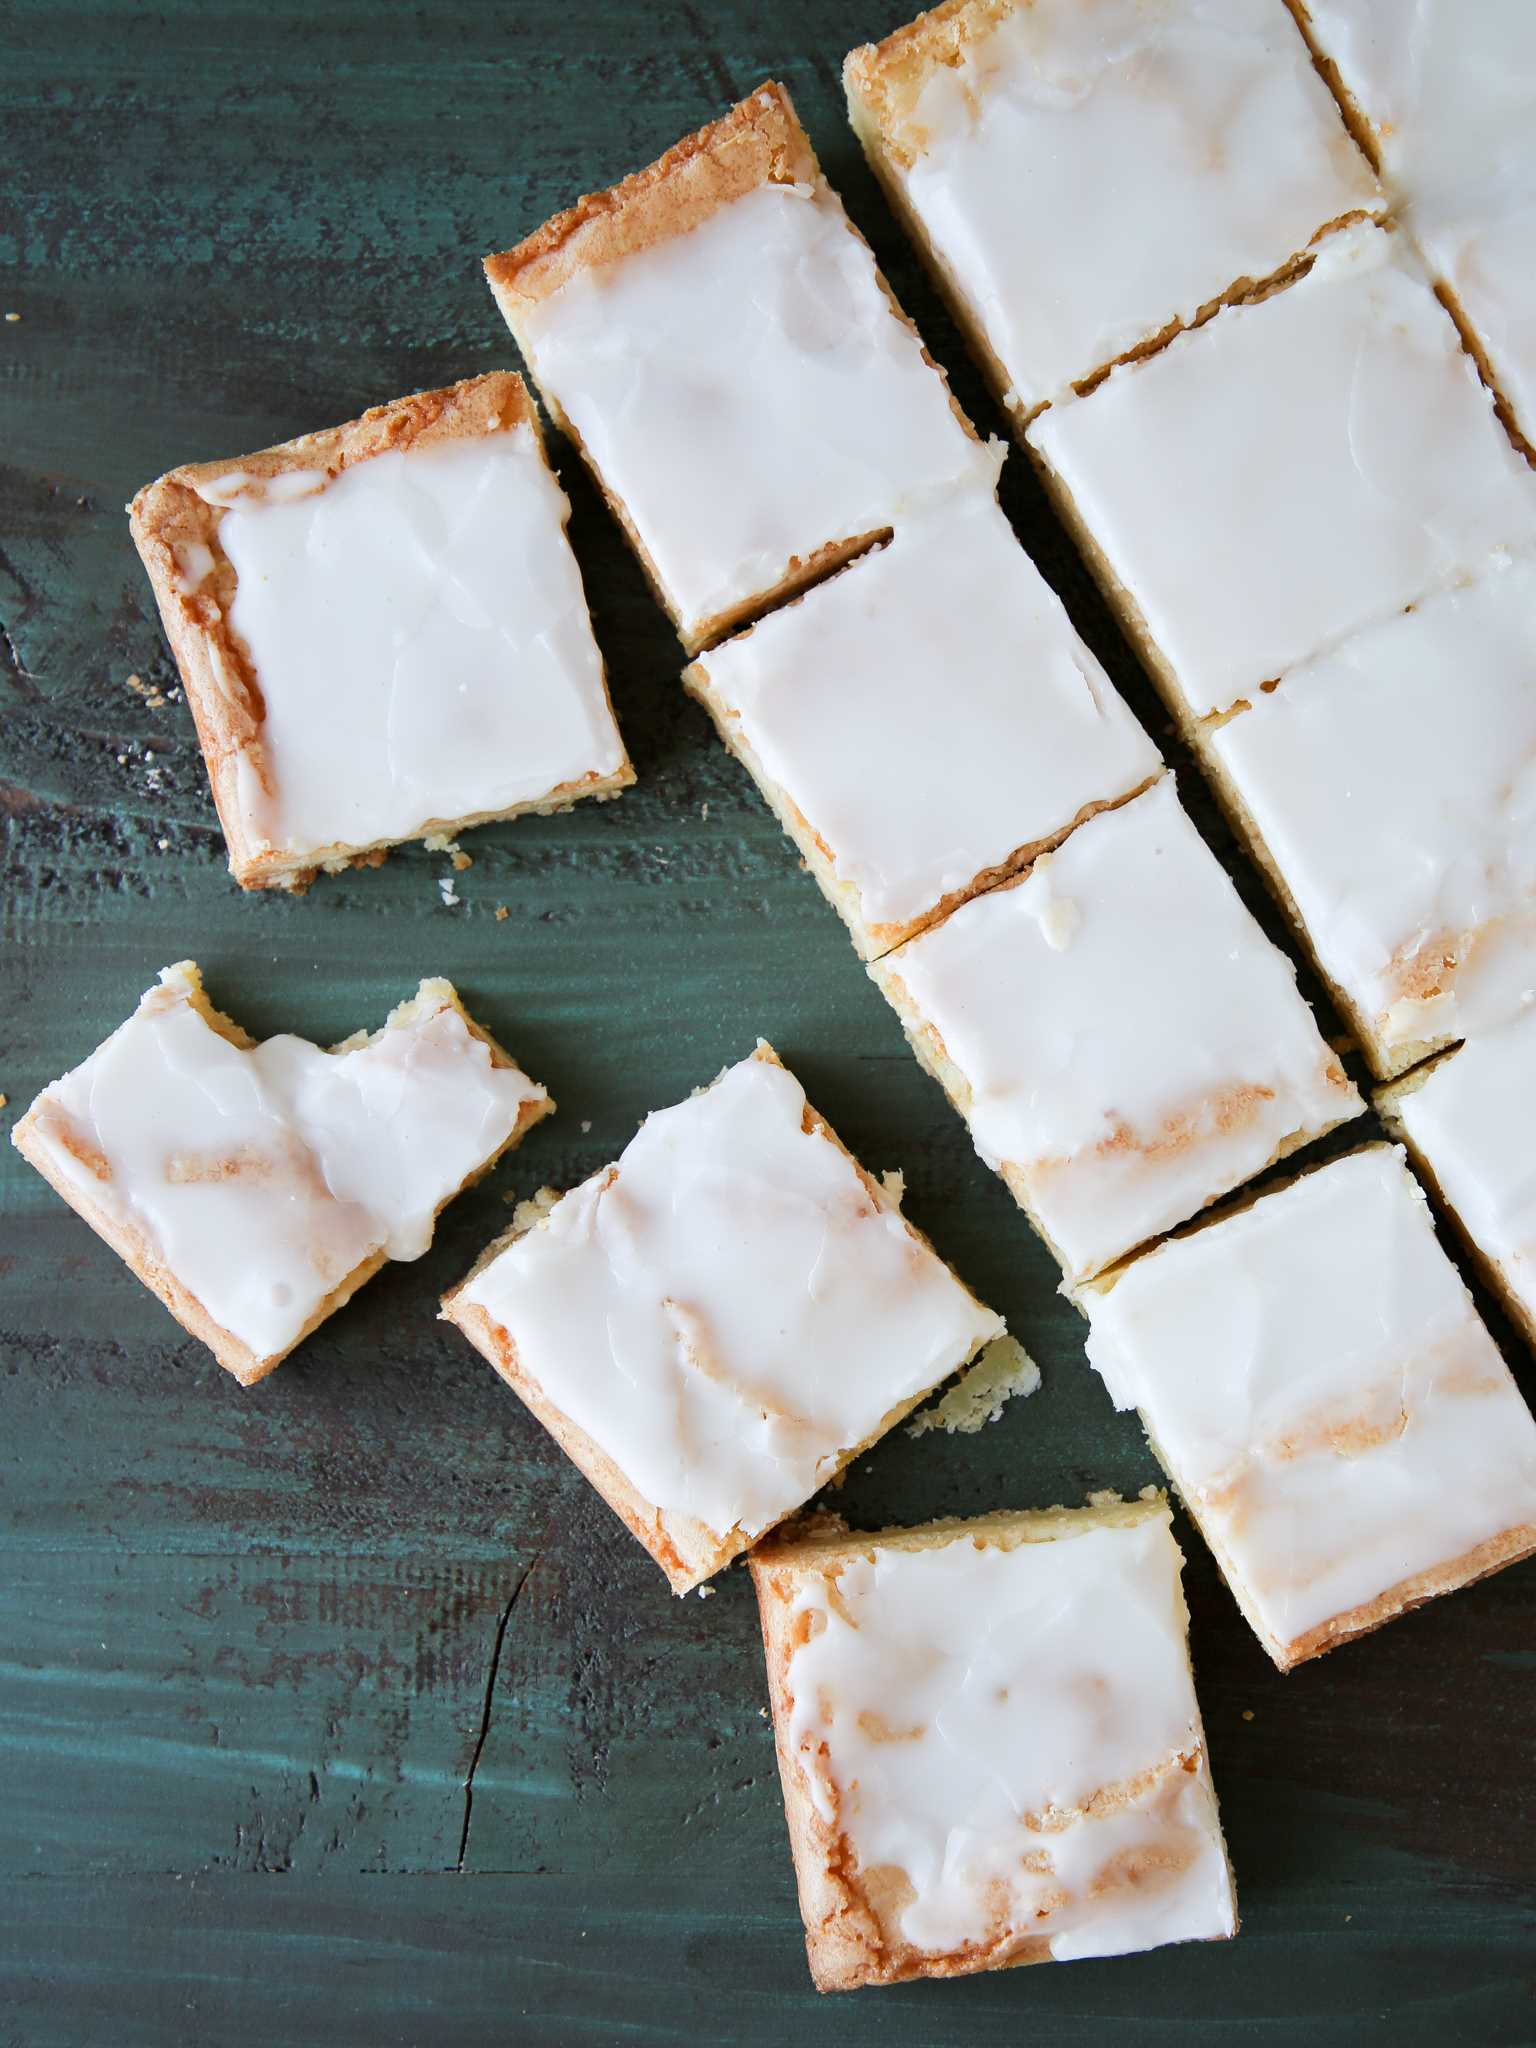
(381, 632)
(925, 722)
(1295, 469)
(989, 1743)
(1124, 1042)
(1443, 95)
(1319, 1388)
(1387, 790)
(715, 1324)
(715, 336)
(1469, 1120)
(1085, 175)
(254, 1188)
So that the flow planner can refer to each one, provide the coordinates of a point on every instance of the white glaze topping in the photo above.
(1134, 1046)
(420, 640)
(1450, 91)
(931, 710)
(1393, 783)
(727, 1309)
(1474, 1121)
(748, 394)
(1014, 1732)
(1316, 1379)
(262, 1178)
(1167, 150)
(1254, 487)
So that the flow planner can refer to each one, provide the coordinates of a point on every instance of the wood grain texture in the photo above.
(255, 1644)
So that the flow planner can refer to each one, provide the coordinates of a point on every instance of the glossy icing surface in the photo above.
(1008, 1743)
(1132, 1044)
(420, 640)
(1168, 150)
(1315, 1376)
(1393, 782)
(1474, 1121)
(727, 1308)
(931, 710)
(260, 1178)
(1333, 515)
(749, 395)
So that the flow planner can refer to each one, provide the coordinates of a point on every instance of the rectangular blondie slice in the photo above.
(715, 1324)
(989, 1743)
(381, 632)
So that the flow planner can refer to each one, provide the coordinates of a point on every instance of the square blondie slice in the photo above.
(715, 337)
(926, 722)
(255, 1187)
(1318, 1385)
(1385, 789)
(1299, 467)
(1123, 1041)
(1469, 1121)
(989, 1743)
(1086, 176)
(1443, 97)
(381, 632)
(715, 1324)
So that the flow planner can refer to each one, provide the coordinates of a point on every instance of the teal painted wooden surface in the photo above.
(255, 1645)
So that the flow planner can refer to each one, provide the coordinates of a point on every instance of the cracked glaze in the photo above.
(931, 710)
(1318, 1383)
(1131, 1044)
(1332, 515)
(1168, 151)
(749, 395)
(727, 1309)
(1393, 784)
(262, 1177)
(420, 638)
(1008, 1742)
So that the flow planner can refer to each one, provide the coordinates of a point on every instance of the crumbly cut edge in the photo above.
(1384, 1059)
(134, 1249)
(1509, 1546)
(882, 82)
(757, 142)
(933, 1057)
(216, 670)
(687, 1550)
(844, 1944)
(1388, 1107)
(870, 941)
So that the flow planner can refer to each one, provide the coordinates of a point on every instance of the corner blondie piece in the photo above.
(1385, 789)
(714, 1325)
(1123, 1041)
(1443, 96)
(715, 337)
(1469, 1121)
(381, 632)
(254, 1188)
(1317, 1383)
(1297, 468)
(1086, 176)
(926, 722)
(989, 1743)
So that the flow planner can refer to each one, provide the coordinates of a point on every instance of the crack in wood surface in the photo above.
(490, 1693)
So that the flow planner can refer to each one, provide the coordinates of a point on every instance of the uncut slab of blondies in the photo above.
(714, 335)
(715, 1324)
(381, 632)
(989, 1743)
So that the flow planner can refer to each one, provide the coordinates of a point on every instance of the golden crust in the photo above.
(884, 79)
(687, 1550)
(849, 1941)
(216, 668)
(759, 142)
(31, 1135)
